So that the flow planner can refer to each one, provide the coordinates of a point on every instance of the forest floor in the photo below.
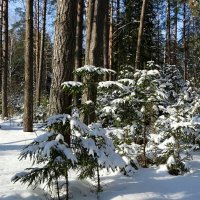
(147, 184)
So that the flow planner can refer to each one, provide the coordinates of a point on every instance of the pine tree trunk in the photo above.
(175, 33)
(79, 42)
(5, 61)
(89, 28)
(96, 43)
(118, 40)
(94, 50)
(158, 35)
(1, 40)
(11, 53)
(37, 43)
(89, 17)
(185, 42)
(106, 39)
(140, 34)
(63, 55)
(110, 53)
(28, 89)
(168, 34)
(41, 56)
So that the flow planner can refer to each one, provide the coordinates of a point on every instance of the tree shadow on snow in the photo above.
(16, 141)
(150, 185)
(30, 194)
(19, 197)
(11, 147)
(8, 127)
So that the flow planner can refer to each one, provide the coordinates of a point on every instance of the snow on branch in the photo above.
(90, 69)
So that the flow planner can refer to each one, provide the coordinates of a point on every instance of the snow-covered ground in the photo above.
(147, 184)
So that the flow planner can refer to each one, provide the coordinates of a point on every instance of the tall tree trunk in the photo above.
(1, 40)
(79, 42)
(118, 40)
(37, 41)
(96, 43)
(175, 32)
(28, 90)
(140, 34)
(94, 50)
(106, 39)
(63, 55)
(158, 45)
(41, 56)
(168, 34)
(89, 18)
(110, 52)
(185, 41)
(11, 52)
(5, 61)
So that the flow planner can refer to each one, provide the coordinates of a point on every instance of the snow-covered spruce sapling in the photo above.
(94, 151)
(123, 140)
(173, 146)
(172, 81)
(52, 156)
(148, 95)
(134, 103)
(178, 132)
(111, 101)
(98, 152)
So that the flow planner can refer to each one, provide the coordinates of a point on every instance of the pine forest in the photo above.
(99, 99)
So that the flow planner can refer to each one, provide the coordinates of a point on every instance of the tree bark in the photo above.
(168, 34)
(28, 90)
(89, 17)
(37, 42)
(106, 39)
(5, 61)
(140, 34)
(110, 52)
(185, 42)
(94, 51)
(63, 55)
(79, 43)
(158, 34)
(41, 56)
(1, 40)
(118, 40)
(96, 43)
(175, 33)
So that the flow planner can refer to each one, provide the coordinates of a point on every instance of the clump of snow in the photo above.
(72, 84)
(171, 161)
(90, 69)
(58, 118)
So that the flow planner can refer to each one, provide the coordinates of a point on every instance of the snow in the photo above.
(171, 161)
(57, 118)
(69, 84)
(90, 69)
(146, 184)
(164, 145)
(111, 84)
